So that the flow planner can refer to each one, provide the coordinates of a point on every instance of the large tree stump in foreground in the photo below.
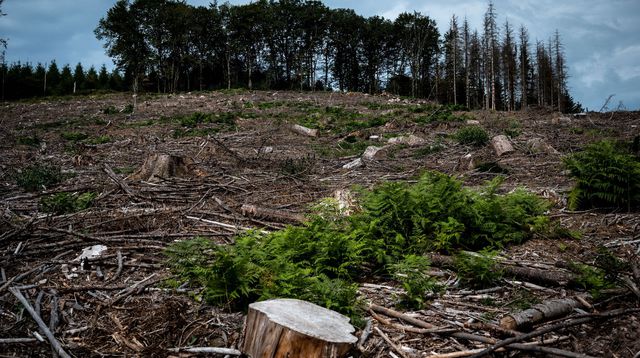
(293, 328)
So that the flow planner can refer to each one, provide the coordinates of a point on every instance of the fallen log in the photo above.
(271, 214)
(304, 130)
(541, 312)
(568, 323)
(555, 278)
(293, 328)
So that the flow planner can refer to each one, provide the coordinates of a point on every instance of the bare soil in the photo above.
(98, 311)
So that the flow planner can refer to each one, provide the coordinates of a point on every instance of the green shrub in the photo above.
(606, 176)
(192, 120)
(74, 136)
(413, 272)
(31, 140)
(110, 110)
(514, 129)
(478, 269)
(100, 140)
(38, 176)
(322, 259)
(66, 203)
(472, 135)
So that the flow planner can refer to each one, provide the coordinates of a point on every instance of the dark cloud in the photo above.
(600, 37)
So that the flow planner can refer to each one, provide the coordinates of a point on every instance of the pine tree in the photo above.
(524, 68)
(509, 65)
(78, 78)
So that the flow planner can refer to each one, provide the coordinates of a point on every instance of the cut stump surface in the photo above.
(295, 328)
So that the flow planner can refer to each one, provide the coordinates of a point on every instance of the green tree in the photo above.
(91, 81)
(124, 40)
(78, 78)
(52, 79)
(66, 81)
(103, 78)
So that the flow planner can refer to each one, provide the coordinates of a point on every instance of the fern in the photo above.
(322, 259)
(606, 176)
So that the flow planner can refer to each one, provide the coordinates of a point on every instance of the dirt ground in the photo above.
(118, 305)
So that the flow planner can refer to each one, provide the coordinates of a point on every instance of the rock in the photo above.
(501, 145)
(473, 122)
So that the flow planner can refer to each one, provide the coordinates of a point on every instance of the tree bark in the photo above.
(292, 328)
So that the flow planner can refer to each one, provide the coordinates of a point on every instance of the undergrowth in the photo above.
(472, 135)
(322, 259)
(38, 176)
(607, 175)
(66, 203)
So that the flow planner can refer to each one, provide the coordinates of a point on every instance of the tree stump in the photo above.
(292, 328)
(501, 145)
(158, 166)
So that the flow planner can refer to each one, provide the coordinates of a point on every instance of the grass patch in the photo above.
(111, 110)
(103, 139)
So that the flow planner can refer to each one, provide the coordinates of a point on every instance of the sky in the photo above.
(601, 37)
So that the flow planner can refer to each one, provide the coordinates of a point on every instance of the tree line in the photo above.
(169, 45)
(26, 81)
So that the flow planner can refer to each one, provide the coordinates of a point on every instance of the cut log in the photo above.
(304, 130)
(541, 312)
(159, 166)
(292, 328)
(501, 144)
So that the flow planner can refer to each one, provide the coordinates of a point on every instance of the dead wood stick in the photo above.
(364, 335)
(631, 285)
(473, 351)
(119, 270)
(17, 278)
(390, 342)
(469, 336)
(411, 329)
(17, 340)
(119, 181)
(84, 237)
(55, 344)
(136, 286)
(271, 214)
(541, 312)
(212, 350)
(578, 320)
